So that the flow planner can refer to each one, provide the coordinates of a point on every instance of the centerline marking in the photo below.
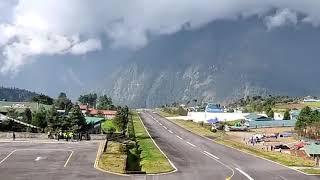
(170, 131)
(191, 144)
(245, 174)
(179, 137)
(165, 127)
(209, 154)
(38, 158)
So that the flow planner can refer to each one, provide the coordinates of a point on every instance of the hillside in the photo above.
(222, 62)
(16, 94)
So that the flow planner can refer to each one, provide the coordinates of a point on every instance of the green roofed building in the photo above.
(314, 151)
(93, 120)
(96, 122)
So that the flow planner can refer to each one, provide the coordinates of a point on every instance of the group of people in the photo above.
(68, 135)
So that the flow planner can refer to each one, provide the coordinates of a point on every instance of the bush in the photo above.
(213, 130)
(182, 112)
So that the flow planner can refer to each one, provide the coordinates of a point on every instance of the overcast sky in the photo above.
(31, 28)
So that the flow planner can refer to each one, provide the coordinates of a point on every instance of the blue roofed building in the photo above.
(213, 108)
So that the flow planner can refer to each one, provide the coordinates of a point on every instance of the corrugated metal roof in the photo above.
(93, 120)
(313, 148)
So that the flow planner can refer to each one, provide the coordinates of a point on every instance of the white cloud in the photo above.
(36, 27)
(282, 17)
(86, 46)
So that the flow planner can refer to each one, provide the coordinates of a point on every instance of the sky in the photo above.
(31, 29)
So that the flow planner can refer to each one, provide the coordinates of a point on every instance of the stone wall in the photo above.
(5, 135)
(8, 135)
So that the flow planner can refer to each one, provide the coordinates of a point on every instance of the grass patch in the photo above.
(107, 125)
(114, 159)
(221, 138)
(312, 104)
(167, 114)
(197, 128)
(310, 171)
(152, 160)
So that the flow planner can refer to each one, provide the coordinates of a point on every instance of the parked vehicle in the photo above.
(281, 146)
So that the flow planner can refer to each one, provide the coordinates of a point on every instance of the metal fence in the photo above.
(274, 123)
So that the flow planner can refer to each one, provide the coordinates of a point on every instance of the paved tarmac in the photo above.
(200, 158)
(32, 160)
(195, 158)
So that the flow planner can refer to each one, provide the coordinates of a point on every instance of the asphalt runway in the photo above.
(195, 158)
(200, 159)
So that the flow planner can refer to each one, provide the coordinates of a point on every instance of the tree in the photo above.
(43, 99)
(105, 102)
(90, 99)
(122, 118)
(303, 120)
(78, 122)
(39, 118)
(12, 113)
(270, 114)
(286, 115)
(63, 102)
(181, 111)
(53, 119)
(27, 116)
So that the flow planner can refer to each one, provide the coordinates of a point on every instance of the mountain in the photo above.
(219, 62)
(16, 95)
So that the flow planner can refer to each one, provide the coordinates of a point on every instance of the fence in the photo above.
(274, 123)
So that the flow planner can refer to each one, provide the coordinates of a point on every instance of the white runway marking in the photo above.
(68, 159)
(160, 124)
(209, 154)
(7, 156)
(165, 127)
(244, 173)
(179, 137)
(170, 131)
(191, 144)
(38, 158)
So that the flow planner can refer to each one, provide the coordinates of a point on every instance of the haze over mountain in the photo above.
(256, 48)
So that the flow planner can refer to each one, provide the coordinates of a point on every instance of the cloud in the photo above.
(32, 28)
(281, 18)
(86, 46)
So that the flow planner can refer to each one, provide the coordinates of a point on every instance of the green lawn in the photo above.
(166, 114)
(114, 159)
(310, 171)
(108, 124)
(152, 160)
(312, 104)
(197, 128)
(221, 138)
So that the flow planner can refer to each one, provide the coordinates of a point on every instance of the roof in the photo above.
(94, 112)
(108, 112)
(93, 120)
(102, 112)
(313, 148)
(83, 107)
(254, 116)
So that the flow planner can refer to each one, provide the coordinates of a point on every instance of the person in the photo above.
(60, 135)
(49, 134)
(13, 136)
(71, 136)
